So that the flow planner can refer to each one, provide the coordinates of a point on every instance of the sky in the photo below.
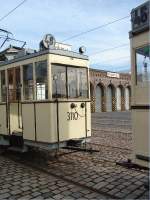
(65, 18)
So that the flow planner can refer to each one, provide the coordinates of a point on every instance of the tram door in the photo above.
(98, 103)
(109, 98)
(13, 100)
(118, 98)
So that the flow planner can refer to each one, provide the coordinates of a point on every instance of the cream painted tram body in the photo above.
(44, 99)
(140, 62)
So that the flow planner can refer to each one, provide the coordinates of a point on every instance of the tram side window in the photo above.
(3, 86)
(14, 83)
(143, 64)
(41, 80)
(77, 82)
(28, 88)
(59, 81)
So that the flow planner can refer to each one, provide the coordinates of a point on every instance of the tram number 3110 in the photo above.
(72, 116)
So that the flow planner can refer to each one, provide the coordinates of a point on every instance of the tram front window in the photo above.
(41, 80)
(59, 81)
(143, 64)
(77, 82)
(28, 81)
(69, 82)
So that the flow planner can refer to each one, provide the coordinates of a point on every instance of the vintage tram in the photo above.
(140, 65)
(44, 98)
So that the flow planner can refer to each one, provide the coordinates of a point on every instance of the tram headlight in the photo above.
(82, 105)
(73, 105)
(82, 49)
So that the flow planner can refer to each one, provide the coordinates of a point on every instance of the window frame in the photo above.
(137, 83)
(1, 96)
(35, 81)
(76, 67)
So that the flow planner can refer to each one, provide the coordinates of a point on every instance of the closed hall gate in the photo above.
(109, 97)
(118, 98)
(98, 103)
(127, 97)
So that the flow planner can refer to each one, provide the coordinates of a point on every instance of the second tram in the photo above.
(140, 61)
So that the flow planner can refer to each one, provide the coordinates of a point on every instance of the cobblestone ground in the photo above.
(81, 175)
(21, 182)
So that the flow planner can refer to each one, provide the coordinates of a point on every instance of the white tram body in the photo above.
(44, 99)
(140, 65)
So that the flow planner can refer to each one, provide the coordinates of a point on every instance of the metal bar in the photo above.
(85, 123)
(5, 31)
(141, 107)
(142, 157)
(8, 104)
(80, 149)
(67, 82)
(55, 101)
(35, 129)
(58, 138)
(4, 42)
(6, 108)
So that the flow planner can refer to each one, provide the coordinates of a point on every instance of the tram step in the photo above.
(18, 149)
(16, 139)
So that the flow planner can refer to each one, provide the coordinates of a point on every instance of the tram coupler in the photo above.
(90, 150)
(129, 164)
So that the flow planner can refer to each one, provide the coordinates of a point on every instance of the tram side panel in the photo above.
(46, 122)
(74, 123)
(28, 120)
(3, 120)
(141, 139)
(40, 122)
(15, 118)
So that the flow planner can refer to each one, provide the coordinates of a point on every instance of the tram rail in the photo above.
(21, 160)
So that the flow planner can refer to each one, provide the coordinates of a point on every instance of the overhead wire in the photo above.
(96, 28)
(11, 11)
(7, 38)
(109, 49)
(115, 59)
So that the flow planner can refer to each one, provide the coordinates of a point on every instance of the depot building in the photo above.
(109, 91)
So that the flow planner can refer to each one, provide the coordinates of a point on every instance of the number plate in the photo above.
(72, 116)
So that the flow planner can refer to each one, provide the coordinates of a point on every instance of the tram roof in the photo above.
(49, 51)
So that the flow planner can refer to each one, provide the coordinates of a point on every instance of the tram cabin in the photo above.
(140, 62)
(44, 99)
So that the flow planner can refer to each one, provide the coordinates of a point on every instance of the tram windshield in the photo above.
(143, 64)
(69, 82)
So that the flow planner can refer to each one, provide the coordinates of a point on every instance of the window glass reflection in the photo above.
(41, 80)
(77, 82)
(74, 78)
(28, 82)
(143, 64)
(58, 81)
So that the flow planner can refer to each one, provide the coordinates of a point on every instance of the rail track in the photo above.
(16, 157)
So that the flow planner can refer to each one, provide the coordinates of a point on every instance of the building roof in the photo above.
(10, 51)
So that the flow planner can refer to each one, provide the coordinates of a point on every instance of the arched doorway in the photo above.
(99, 93)
(119, 95)
(110, 96)
(127, 98)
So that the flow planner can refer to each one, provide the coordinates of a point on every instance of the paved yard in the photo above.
(79, 175)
